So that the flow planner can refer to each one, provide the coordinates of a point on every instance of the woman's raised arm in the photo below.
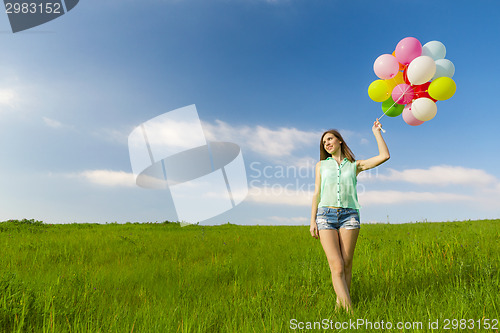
(383, 151)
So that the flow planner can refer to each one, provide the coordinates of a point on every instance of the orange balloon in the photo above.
(401, 67)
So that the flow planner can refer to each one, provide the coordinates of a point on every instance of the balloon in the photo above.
(423, 109)
(421, 70)
(422, 91)
(444, 67)
(391, 108)
(442, 88)
(436, 50)
(402, 93)
(409, 118)
(398, 79)
(401, 66)
(415, 75)
(378, 91)
(386, 66)
(408, 49)
(405, 75)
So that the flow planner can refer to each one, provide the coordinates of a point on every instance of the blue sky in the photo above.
(270, 76)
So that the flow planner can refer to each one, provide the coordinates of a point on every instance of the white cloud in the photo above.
(52, 123)
(489, 197)
(482, 187)
(272, 143)
(166, 134)
(280, 195)
(369, 198)
(307, 163)
(113, 135)
(280, 142)
(56, 124)
(290, 220)
(283, 145)
(108, 178)
(8, 97)
(442, 175)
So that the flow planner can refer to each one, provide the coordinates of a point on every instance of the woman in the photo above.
(335, 208)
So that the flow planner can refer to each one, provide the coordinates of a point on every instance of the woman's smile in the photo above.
(330, 143)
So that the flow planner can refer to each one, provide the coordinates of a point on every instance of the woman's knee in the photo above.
(337, 267)
(348, 264)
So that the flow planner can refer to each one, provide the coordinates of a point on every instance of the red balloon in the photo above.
(405, 75)
(422, 90)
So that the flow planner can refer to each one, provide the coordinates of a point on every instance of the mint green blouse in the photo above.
(338, 184)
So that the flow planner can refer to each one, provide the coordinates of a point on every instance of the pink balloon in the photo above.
(403, 93)
(408, 49)
(386, 66)
(409, 118)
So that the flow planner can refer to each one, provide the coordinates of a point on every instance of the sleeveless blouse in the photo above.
(338, 184)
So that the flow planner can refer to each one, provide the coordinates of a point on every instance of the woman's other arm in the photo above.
(315, 201)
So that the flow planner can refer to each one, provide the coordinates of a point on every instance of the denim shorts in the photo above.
(336, 218)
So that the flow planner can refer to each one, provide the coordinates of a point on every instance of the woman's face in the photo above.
(331, 143)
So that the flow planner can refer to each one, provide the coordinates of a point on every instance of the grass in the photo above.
(166, 278)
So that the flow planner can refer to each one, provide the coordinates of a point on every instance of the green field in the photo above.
(161, 277)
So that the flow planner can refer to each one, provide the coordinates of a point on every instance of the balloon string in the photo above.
(404, 92)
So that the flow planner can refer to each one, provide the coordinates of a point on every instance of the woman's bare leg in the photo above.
(348, 238)
(331, 245)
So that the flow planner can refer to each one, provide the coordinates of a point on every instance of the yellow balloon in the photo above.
(379, 91)
(392, 83)
(442, 88)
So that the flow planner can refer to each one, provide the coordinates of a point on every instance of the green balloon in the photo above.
(391, 108)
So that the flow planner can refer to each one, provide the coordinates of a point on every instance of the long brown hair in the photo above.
(344, 148)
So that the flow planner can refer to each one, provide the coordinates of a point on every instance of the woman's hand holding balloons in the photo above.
(377, 127)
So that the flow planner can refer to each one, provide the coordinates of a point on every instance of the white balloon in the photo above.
(434, 49)
(421, 70)
(444, 67)
(424, 109)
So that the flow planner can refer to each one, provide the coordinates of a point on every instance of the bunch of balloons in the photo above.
(412, 79)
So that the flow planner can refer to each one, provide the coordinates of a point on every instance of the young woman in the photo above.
(335, 208)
